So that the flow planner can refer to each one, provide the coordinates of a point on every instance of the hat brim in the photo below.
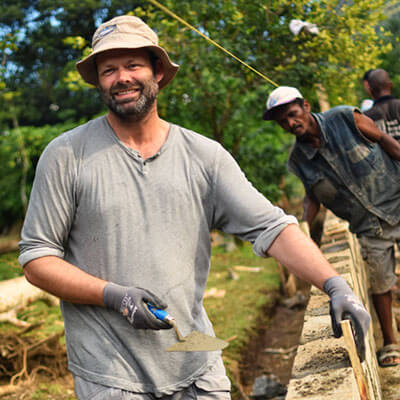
(88, 70)
(268, 114)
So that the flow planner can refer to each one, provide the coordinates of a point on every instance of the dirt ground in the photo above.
(282, 334)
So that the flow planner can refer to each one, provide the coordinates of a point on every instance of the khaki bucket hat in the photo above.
(125, 32)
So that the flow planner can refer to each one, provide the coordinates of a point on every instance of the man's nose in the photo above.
(123, 75)
(291, 122)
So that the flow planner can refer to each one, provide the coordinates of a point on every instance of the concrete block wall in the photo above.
(321, 368)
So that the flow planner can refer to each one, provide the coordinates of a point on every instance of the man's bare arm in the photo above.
(64, 280)
(368, 127)
(301, 256)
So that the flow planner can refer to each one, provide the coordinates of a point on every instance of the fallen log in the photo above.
(7, 389)
(9, 245)
(17, 293)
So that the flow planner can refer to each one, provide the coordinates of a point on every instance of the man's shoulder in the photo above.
(337, 115)
(384, 108)
(338, 111)
(196, 142)
(195, 137)
(72, 143)
(203, 151)
(77, 135)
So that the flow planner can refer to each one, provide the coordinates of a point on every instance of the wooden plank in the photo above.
(354, 359)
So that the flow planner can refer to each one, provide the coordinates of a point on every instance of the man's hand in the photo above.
(130, 302)
(342, 302)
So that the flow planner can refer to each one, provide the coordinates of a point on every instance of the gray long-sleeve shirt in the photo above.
(146, 223)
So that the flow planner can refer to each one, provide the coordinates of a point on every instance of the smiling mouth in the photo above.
(126, 95)
(125, 92)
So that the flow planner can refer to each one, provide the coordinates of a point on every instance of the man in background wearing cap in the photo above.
(120, 215)
(385, 110)
(347, 164)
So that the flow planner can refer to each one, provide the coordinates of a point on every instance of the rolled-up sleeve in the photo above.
(243, 211)
(51, 205)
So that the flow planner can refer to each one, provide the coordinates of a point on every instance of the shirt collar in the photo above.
(384, 98)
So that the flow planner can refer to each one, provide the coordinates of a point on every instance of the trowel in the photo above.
(195, 341)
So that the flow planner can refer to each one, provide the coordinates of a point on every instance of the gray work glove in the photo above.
(130, 302)
(345, 305)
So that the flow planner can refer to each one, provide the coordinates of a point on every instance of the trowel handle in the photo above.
(160, 314)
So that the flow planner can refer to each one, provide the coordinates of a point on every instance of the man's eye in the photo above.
(107, 71)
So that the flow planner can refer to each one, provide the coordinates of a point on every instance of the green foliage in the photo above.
(52, 391)
(219, 97)
(212, 93)
(390, 59)
(263, 155)
(42, 58)
(35, 138)
(9, 266)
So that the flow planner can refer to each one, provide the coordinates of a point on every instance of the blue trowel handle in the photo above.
(160, 314)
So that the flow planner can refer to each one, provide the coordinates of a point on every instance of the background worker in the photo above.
(120, 214)
(365, 81)
(366, 104)
(351, 167)
(386, 108)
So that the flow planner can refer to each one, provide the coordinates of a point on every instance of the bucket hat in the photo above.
(278, 97)
(124, 32)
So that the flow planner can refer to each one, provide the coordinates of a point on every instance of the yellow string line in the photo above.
(166, 10)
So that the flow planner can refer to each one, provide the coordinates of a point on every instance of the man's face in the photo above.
(295, 119)
(127, 82)
(366, 87)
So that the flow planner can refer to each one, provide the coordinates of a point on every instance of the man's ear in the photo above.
(159, 71)
(306, 106)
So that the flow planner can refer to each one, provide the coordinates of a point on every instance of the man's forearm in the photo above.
(368, 127)
(390, 145)
(300, 255)
(64, 280)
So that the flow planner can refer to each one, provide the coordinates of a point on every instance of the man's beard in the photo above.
(133, 110)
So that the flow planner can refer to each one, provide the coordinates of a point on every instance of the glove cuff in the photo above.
(112, 295)
(336, 285)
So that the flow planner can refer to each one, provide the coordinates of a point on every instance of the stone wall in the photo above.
(321, 367)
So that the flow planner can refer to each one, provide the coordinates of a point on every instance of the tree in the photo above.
(390, 60)
(37, 66)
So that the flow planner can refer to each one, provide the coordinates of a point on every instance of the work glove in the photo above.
(343, 305)
(131, 303)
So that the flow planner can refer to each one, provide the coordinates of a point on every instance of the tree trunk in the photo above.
(322, 97)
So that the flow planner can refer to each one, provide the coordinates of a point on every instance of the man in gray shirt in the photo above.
(120, 215)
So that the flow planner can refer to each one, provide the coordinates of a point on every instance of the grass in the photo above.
(246, 298)
(9, 266)
(234, 316)
(52, 391)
